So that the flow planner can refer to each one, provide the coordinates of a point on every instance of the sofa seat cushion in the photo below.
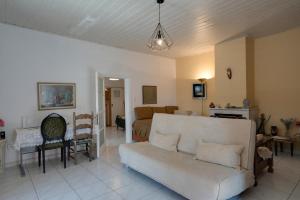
(193, 179)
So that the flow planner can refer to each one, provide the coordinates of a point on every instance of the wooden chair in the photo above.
(82, 135)
(53, 130)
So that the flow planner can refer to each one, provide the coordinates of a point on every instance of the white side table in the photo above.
(2, 155)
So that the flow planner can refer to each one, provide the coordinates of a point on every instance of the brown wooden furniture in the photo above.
(259, 163)
(281, 140)
(82, 139)
(143, 120)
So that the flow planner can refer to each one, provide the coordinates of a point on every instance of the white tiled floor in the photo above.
(106, 179)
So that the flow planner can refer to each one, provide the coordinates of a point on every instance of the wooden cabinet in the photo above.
(2, 155)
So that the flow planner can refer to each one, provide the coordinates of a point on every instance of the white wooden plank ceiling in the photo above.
(194, 25)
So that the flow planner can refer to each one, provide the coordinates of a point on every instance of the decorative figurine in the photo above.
(212, 105)
(274, 130)
(229, 72)
(246, 103)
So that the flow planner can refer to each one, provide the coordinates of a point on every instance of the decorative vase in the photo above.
(274, 130)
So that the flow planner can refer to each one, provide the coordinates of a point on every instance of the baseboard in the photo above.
(32, 160)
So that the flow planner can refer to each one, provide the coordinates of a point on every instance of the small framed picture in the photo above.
(56, 95)
(149, 94)
(199, 90)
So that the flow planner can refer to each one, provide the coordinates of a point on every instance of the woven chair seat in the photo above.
(54, 145)
(83, 136)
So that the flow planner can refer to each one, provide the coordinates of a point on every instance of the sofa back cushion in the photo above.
(171, 109)
(165, 141)
(227, 155)
(212, 130)
(143, 113)
(159, 109)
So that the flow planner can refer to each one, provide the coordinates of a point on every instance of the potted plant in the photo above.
(2, 132)
(288, 123)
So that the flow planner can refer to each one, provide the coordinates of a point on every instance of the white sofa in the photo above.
(191, 178)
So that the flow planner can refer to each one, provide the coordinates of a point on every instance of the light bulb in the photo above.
(159, 42)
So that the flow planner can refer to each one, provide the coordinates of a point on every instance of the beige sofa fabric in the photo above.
(191, 178)
(227, 155)
(213, 130)
(166, 141)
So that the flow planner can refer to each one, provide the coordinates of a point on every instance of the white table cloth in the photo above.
(30, 137)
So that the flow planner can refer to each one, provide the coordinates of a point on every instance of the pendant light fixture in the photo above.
(160, 40)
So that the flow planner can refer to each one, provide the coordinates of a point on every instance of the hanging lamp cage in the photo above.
(160, 39)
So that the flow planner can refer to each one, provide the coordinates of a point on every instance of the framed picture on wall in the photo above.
(149, 94)
(199, 90)
(56, 95)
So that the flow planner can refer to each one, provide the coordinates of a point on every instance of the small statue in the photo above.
(274, 130)
(262, 122)
(228, 105)
(246, 103)
(288, 123)
(212, 105)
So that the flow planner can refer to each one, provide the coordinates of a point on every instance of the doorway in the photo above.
(114, 111)
(98, 103)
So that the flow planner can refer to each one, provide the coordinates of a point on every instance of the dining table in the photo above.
(28, 139)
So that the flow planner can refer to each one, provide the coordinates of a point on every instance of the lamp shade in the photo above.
(160, 40)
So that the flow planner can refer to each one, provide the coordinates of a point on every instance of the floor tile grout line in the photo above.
(290, 195)
(73, 189)
(91, 173)
(34, 188)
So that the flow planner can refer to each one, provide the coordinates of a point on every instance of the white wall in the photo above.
(110, 84)
(28, 56)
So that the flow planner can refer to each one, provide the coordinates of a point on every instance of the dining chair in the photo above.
(82, 135)
(53, 130)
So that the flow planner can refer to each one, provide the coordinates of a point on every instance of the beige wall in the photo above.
(188, 70)
(277, 75)
(231, 54)
(265, 70)
(250, 71)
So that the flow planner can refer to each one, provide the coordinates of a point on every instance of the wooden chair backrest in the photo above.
(88, 124)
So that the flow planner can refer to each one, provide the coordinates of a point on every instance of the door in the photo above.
(99, 109)
(108, 107)
(117, 103)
